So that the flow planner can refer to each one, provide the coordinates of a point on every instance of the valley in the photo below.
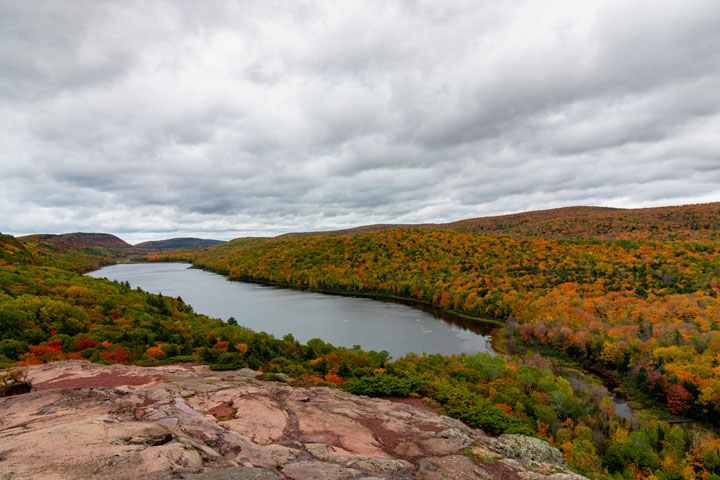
(639, 304)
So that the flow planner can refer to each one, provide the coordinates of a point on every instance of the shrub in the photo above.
(14, 382)
(489, 418)
(384, 385)
(117, 355)
(83, 343)
(228, 361)
(13, 349)
(271, 377)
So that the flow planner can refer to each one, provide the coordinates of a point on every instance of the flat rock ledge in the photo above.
(89, 421)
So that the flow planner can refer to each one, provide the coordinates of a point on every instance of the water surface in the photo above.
(340, 320)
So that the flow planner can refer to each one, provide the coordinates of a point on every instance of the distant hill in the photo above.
(76, 241)
(177, 244)
(687, 222)
(13, 252)
(77, 252)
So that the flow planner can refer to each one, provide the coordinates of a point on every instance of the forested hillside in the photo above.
(77, 241)
(687, 222)
(78, 252)
(12, 251)
(647, 310)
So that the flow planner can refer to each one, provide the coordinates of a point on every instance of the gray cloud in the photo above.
(235, 118)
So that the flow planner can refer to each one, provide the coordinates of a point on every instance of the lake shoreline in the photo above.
(491, 326)
(494, 327)
(399, 327)
(500, 344)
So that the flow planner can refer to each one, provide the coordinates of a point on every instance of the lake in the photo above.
(340, 320)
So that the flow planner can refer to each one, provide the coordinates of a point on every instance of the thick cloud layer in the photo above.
(232, 118)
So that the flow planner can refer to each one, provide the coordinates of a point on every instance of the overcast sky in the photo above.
(222, 119)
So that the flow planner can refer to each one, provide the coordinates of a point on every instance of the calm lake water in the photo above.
(342, 321)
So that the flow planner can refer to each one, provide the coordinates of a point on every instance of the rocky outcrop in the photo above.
(187, 422)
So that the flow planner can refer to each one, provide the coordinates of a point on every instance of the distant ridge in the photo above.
(78, 252)
(686, 222)
(177, 244)
(76, 241)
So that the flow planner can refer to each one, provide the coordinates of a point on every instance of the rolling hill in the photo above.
(177, 244)
(78, 251)
(686, 222)
(76, 241)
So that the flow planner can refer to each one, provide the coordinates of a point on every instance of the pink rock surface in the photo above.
(184, 421)
(259, 419)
